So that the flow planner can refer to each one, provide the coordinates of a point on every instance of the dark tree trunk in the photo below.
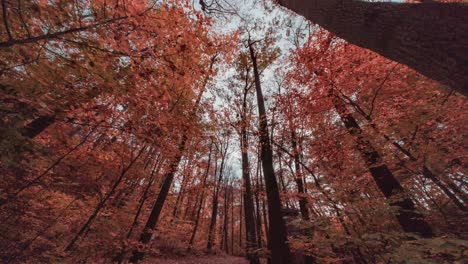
(428, 37)
(232, 220)
(226, 220)
(154, 172)
(241, 210)
(158, 205)
(407, 215)
(251, 243)
(278, 237)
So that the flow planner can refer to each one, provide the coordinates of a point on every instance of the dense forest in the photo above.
(233, 131)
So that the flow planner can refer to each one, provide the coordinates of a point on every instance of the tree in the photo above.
(399, 31)
(277, 242)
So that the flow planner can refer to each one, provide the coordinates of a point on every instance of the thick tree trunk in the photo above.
(407, 215)
(278, 237)
(428, 37)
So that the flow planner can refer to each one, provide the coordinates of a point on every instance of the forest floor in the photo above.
(198, 260)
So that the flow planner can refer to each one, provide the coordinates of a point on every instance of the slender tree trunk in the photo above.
(232, 220)
(158, 205)
(278, 237)
(300, 184)
(186, 176)
(197, 220)
(407, 215)
(214, 212)
(257, 208)
(400, 32)
(226, 220)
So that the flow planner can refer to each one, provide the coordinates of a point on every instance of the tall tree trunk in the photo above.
(154, 172)
(407, 215)
(200, 207)
(251, 243)
(257, 207)
(264, 210)
(400, 32)
(232, 220)
(278, 237)
(158, 205)
(185, 177)
(214, 212)
(226, 220)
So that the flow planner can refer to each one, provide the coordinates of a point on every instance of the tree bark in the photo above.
(428, 37)
(278, 237)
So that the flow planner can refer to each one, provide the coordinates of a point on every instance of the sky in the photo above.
(262, 12)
